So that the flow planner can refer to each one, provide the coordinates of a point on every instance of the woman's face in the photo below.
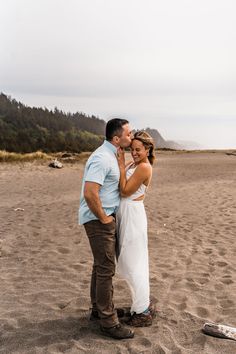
(138, 151)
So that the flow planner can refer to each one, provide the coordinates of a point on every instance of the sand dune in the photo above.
(46, 261)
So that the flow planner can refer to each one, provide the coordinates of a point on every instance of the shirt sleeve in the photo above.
(98, 169)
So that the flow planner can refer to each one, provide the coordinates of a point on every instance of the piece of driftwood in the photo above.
(219, 330)
(56, 164)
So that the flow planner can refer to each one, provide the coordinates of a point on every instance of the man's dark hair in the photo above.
(114, 127)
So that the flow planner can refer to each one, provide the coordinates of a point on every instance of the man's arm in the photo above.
(91, 195)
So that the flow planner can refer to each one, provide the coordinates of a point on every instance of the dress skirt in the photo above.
(132, 263)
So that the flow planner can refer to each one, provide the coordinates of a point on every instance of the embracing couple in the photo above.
(114, 218)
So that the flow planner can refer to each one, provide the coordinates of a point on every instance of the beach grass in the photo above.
(6, 156)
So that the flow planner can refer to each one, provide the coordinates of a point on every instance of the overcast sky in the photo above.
(169, 65)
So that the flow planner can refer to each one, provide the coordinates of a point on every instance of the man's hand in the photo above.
(107, 219)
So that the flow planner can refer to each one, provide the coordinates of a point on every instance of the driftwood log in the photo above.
(219, 330)
(56, 164)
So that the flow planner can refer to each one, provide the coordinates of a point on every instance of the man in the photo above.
(99, 202)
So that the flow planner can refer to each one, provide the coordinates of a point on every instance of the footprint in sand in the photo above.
(63, 250)
(77, 266)
(203, 281)
(205, 275)
(213, 242)
(189, 261)
(182, 306)
(222, 252)
(164, 275)
(219, 287)
(208, 251)
(227, 281)
(227, 274)
(144, 342)
(202, 312)
(222, 264)
(227, 303)
(191, 284)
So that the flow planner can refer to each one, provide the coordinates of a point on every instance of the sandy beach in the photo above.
(46, 261)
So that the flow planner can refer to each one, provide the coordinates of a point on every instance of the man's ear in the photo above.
(116, 139)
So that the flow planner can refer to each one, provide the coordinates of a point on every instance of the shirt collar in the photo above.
(110, 146)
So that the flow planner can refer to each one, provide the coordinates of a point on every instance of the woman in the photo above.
(132, 263)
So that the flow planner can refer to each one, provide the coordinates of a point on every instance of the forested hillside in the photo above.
(26, 129)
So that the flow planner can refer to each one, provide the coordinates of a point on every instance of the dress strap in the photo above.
(129, 166)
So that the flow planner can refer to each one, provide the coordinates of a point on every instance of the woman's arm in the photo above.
(141, 174)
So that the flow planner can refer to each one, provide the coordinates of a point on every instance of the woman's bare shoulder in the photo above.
(144, 166)
(144, 169)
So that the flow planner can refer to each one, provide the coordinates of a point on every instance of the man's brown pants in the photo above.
(102, 240)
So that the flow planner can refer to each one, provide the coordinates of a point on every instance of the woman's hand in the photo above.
(121, 157)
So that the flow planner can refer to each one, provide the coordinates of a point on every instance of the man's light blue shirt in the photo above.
(102, 168)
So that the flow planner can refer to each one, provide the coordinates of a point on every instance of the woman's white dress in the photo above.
(132, 263)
